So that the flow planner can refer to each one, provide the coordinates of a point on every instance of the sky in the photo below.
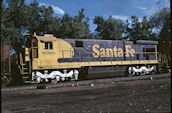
(118, 9)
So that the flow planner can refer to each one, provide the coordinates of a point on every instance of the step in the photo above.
(26, 66)
(23, 64)
(26, 71)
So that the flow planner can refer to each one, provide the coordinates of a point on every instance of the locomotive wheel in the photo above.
(131, 74)
(54, 81)
(153, 72)
(144, 72)
(127, 72)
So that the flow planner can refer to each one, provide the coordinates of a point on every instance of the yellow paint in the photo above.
(115, 49)
(102, 63)
(48, 58)
(120, 52)
(129, 51)
(132, 51)
(102, 52)
(112, 52)
(109, 52)
(27, 54)
(95, 50)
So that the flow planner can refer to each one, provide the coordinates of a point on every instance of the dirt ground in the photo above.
(132, 96)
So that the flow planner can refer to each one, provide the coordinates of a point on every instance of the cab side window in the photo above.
(48, 45)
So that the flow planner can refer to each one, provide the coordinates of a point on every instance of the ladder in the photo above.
(25, 69)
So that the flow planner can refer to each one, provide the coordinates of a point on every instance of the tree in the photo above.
(110, 29)
(80, 25)
(165, 34)
(48, 23)
(66, 26)
(10, 25)
(19, 18)
(138, 30)
(34, 18)
(158, 19)
(165, 40)
(76, 27)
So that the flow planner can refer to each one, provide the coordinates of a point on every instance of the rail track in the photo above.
(84, 82)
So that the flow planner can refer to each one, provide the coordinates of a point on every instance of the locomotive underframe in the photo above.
(55, 76)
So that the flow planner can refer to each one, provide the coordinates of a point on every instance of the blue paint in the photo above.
(80, 54)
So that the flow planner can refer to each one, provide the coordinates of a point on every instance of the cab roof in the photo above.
(45, 38)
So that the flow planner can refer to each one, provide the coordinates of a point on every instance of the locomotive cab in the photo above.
(43, 55)
(30, 56)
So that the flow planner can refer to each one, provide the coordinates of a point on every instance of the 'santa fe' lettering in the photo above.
(112, 52)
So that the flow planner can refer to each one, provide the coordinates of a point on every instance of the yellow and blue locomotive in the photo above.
(54, 59)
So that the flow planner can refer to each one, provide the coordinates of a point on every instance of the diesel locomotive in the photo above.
(55, 59)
